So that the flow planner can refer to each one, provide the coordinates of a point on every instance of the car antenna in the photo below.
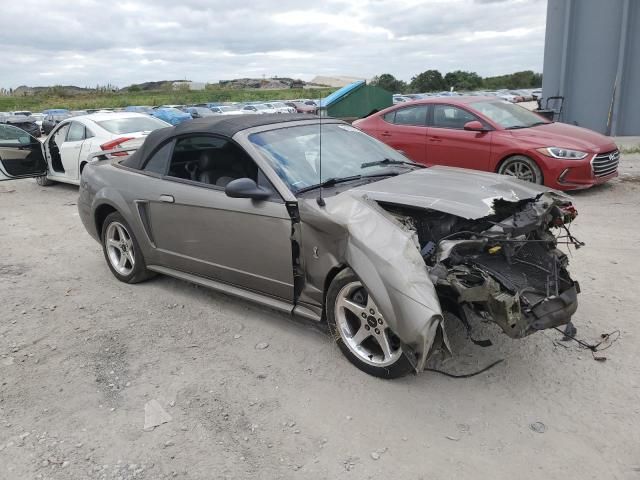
(320, 200)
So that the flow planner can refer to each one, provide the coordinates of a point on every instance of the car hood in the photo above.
(566, 136)
(465, 193)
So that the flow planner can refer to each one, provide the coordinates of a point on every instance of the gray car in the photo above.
(324, 222)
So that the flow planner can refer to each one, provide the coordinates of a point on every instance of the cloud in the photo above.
(89, 42)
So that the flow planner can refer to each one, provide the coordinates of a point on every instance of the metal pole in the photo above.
(622, 47)
(565, 49)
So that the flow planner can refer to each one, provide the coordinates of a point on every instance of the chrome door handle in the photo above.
(167, 198)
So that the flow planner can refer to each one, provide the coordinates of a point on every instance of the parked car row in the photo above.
(514, 96)
(43, 123)
(481, 132)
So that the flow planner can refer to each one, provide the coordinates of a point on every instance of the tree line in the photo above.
(459, 80)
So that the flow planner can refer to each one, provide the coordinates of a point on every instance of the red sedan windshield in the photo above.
(507, 114)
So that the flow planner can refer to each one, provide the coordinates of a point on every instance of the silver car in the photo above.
(324, 222)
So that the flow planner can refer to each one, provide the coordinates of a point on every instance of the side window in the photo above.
(390, 117)
(448, 116)
(159, 161)
(76, 132)
(414, 115)
(61, 134)
(12, 136)
(210, 160)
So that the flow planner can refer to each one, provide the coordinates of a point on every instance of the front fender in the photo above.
(356, 231)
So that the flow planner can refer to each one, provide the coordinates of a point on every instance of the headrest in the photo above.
(206, 160)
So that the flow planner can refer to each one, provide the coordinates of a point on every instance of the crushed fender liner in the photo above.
(355, 231)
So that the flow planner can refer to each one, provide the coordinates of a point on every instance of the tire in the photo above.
(523, 168)
(119, 243)
(368, 343)
(44, 181)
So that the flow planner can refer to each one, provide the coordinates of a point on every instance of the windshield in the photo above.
(131, 124)
(228, 109)
(294, 153)
(508, 115)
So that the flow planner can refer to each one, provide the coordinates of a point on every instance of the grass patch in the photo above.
(37, 103)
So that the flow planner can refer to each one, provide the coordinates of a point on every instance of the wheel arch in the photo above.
(102, 211)
(333, 272)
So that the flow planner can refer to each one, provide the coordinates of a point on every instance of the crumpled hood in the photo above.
(458, 191)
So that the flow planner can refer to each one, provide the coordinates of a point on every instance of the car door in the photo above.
(448, 143)
(71, 148)
(405, 129)
(21, 155)
(196, 228)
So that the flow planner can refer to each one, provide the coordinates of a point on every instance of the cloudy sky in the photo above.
(89, 42)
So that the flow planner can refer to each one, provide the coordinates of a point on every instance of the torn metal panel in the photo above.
(355, 231)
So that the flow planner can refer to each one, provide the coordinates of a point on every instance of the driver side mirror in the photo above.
(475, 126)
(246, 188)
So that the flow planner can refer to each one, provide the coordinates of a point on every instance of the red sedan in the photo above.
(486, 133)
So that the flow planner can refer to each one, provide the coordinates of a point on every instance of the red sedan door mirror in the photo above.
(475, 126)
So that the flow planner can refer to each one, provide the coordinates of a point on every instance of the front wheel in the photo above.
(360, 330)
(523, 168)
(121, 250)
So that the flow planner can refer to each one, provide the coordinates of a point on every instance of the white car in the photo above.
(68, 146)
(510, 97)
(280, 107)
(226, 110)
(257, 108)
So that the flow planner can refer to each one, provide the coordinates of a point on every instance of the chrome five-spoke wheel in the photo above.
(120, 249)
(363, 329)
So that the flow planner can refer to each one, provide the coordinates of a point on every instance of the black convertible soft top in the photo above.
(225, 125)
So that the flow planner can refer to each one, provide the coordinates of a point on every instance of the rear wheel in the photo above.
(521, 167)
(121, 250)
(361, 331)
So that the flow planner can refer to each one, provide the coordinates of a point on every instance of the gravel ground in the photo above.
(250, 393)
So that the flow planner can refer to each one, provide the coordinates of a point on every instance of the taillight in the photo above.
(113, 144)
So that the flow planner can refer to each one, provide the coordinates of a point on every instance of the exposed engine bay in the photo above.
(505, 267)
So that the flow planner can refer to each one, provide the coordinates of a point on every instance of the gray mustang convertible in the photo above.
(322, 221)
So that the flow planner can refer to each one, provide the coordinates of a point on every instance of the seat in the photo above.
(206, 167)
(220, 166)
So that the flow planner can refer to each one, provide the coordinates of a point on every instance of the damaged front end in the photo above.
(504, 267)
